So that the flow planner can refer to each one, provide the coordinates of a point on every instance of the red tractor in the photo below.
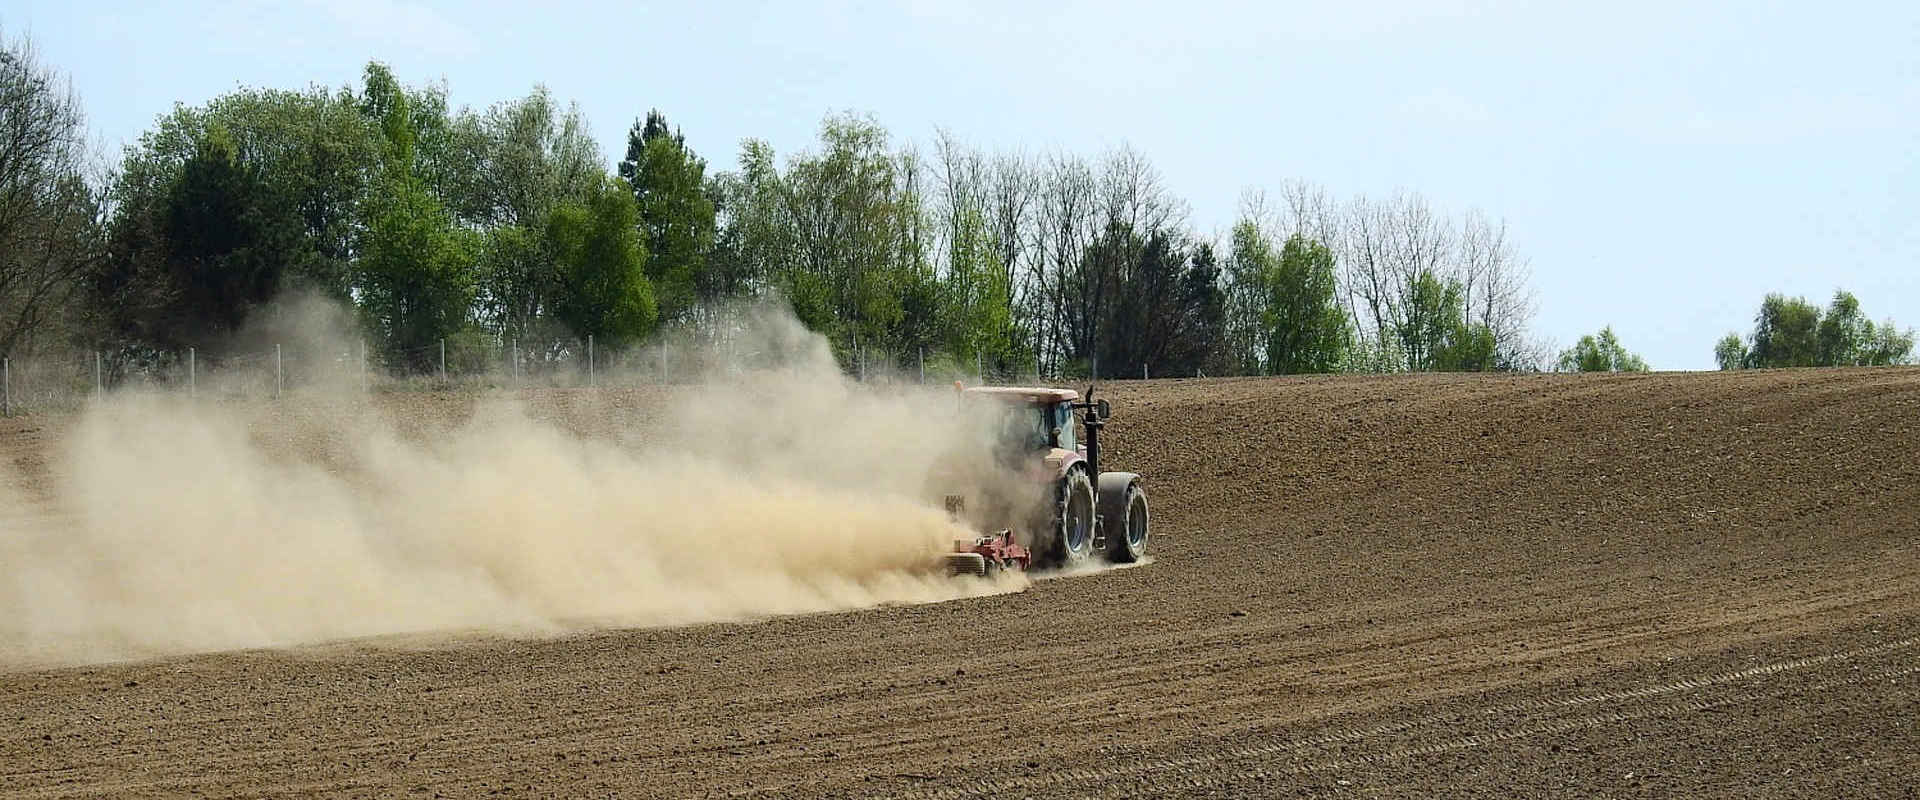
(1065, 511)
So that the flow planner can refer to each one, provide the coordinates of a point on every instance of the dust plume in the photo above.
(171, 524)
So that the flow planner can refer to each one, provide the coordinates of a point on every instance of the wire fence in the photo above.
(61, 382)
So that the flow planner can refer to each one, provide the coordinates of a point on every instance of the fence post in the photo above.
(193, 380)
(97, 385)
(589, 360)
(516, 359)
(443, 360)
(6, 387)
(923, 365)
(979, 371)
(1143, 370)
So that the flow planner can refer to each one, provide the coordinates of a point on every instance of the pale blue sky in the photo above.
(1662, 165)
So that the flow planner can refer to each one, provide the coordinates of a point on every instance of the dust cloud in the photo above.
(168, 524)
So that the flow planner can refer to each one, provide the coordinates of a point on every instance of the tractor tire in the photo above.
(1124, 517)
(1073, 519)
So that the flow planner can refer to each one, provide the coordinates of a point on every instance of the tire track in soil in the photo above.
(1184, 772)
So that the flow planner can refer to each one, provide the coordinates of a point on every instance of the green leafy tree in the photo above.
(1791, 332)
(1306, 330)
(220, 206)
(1887, 345)
(1468, 348)
(1785, 333)
(677, 216)
(416, 272)
(753, 240)
(976, 299)
(515, 162)
(1600, 353)
(1249, 257)
(1847, 338)
(517, 282)
(601, 264)
(415, 275)
(506, 170)
(1163, 310)
(228, 238)
(1433, 332)
(1842, 332)
(849, 257)
(1730, 352)
(1432, 313)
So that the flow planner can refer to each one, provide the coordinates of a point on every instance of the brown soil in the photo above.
(1661, 585)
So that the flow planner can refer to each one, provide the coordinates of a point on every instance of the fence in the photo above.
(60, 382)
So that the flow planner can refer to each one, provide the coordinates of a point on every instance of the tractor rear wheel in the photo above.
(1073, 518)
(1127, 531)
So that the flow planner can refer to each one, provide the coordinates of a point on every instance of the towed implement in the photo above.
(1064, 511)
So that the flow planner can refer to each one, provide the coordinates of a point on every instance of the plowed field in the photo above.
(1617, 586)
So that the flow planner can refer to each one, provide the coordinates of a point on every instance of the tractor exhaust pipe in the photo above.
(1094, 420)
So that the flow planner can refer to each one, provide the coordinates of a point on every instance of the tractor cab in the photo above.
(1031, 422)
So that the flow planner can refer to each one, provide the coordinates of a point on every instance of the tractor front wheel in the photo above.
(1073, 518)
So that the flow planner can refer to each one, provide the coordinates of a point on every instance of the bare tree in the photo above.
(1368, 276)
(1066, 219)
(49, 210)
(960, 202)
(1310, 212)
(1495, 288)
(1010, 196)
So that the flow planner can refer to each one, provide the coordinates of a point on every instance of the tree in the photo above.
(1600, 353)
(677, 216)
(517, 282)
(49, 213)
(1306, 329)
(415, 274)
(601, 262)
(1202, 343)
(1887, 345)
(1791, 332)
(850, 254)
(1847, 338)
(1066, 224)
(221, 206)
(1730, 352)
(1430, 312)
(513, 164)
(1785, 333)
(1164, 312)
(753, 239)
(1842, 332)
(229, 238)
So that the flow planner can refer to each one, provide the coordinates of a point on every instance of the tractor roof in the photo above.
(1028, 394)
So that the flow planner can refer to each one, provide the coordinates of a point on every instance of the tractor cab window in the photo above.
(1063, 419)
(1022, 429)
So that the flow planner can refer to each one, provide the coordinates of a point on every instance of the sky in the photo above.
(1661, 166)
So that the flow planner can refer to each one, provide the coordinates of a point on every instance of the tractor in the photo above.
(1064, 511)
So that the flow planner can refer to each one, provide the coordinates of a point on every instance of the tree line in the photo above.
(1792, 332)
(476, 229)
